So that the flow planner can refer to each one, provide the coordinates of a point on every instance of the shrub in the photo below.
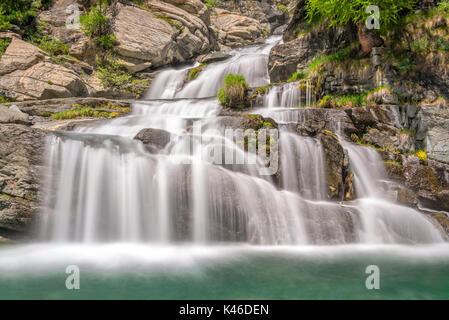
(444, 6)
(234, 93)
(211, 3)
(97, 25)
(112, 74)
(20, 12)
(52, 46)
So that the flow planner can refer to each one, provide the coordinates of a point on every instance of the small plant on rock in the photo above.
(234, 93)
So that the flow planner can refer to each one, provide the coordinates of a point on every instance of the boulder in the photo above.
(20, 55)
(337, 166)
(44, 80)
(235, 30)
(175, 35)
(154, 138)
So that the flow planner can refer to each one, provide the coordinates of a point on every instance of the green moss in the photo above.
(296, 76)
(407, 131)
(84, 113)
(195, 72)
(44, 113)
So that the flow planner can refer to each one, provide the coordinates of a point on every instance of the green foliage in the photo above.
(97, 25)
(407, 131)
(84, 113)
(443, 6)
(4, 99)
(345, 101)
(195, 72)
(20, 12)
(296, 76)
(112, 74)
(344, 11)
(4, 43)
(233, 95)
(403, 64)
(52, 46)
(211, 3)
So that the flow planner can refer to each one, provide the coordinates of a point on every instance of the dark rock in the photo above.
(154, 138)
(289, 57)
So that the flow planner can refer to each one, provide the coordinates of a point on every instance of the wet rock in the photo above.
(336, 166)
(420, 177)
(154, 138)
(213, 57)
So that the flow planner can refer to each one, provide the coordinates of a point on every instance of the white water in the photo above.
(106, 187)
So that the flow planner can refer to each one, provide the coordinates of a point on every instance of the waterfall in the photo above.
(107, 187)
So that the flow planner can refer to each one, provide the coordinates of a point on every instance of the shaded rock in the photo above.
(336, 166)
(289, 57)
(154, 137)
(420, 177)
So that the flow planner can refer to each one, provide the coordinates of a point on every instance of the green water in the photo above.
(142, 272)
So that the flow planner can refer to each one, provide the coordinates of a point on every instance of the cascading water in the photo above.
(106, 186)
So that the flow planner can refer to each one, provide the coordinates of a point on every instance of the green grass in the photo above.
(233, 95)
(211, 3)
(52, 46)
(296, 76)
(112, 74)
(84, 113)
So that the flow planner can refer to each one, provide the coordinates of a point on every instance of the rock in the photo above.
(235, 30)
(420, 177)
(432, 131)
(336, 166)
(383, 96)
(299, 16)
(10, 35)
(195, 7)
(20, 55)
(264, 11)
(9, 115)
(289, 57)
(54, 24)
(21, 153)
(213, 57)
(44, 80)
(174, 34)
(154, 138)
